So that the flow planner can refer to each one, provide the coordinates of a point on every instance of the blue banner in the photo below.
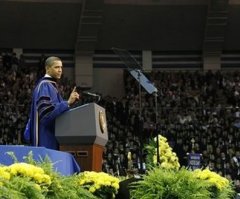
(194, 160)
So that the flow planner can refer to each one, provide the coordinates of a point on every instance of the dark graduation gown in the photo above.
(46, 105)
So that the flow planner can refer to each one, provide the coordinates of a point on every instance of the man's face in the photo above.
(55, 70)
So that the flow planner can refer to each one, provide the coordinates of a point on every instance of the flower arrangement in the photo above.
(100, 184)
(21, 180)
(219, 186)
(37, 180)
(166, 180)
(168, 158)
(163, 180)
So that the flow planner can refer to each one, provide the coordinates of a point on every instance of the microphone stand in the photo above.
(133, 68)
(140, 123)
(156, 126)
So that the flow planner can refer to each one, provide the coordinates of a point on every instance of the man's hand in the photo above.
(73, 96)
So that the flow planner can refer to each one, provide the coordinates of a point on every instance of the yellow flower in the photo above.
(115, 185)
(92, 189)
(212, 177)
(168, 159)
(28, 170)
(37, 187)
(46, 179)
(98, 180)
(4, 174)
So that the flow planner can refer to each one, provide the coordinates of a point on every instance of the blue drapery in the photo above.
(64, 163)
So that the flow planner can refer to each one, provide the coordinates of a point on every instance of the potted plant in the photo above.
(166, 180)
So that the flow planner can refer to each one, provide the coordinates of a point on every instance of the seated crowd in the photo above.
(197, 112)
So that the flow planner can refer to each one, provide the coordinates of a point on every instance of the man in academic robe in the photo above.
(47, 104)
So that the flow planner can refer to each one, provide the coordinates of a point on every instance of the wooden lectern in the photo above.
(82, 131)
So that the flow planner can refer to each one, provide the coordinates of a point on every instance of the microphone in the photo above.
(91, 94)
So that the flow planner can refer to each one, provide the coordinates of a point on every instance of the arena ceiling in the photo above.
(132, 24)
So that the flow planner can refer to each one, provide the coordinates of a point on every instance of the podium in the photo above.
(82, 131)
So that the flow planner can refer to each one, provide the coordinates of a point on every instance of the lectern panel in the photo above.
(82, 125)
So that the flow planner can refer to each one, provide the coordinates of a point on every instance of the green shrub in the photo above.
(181, 184)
